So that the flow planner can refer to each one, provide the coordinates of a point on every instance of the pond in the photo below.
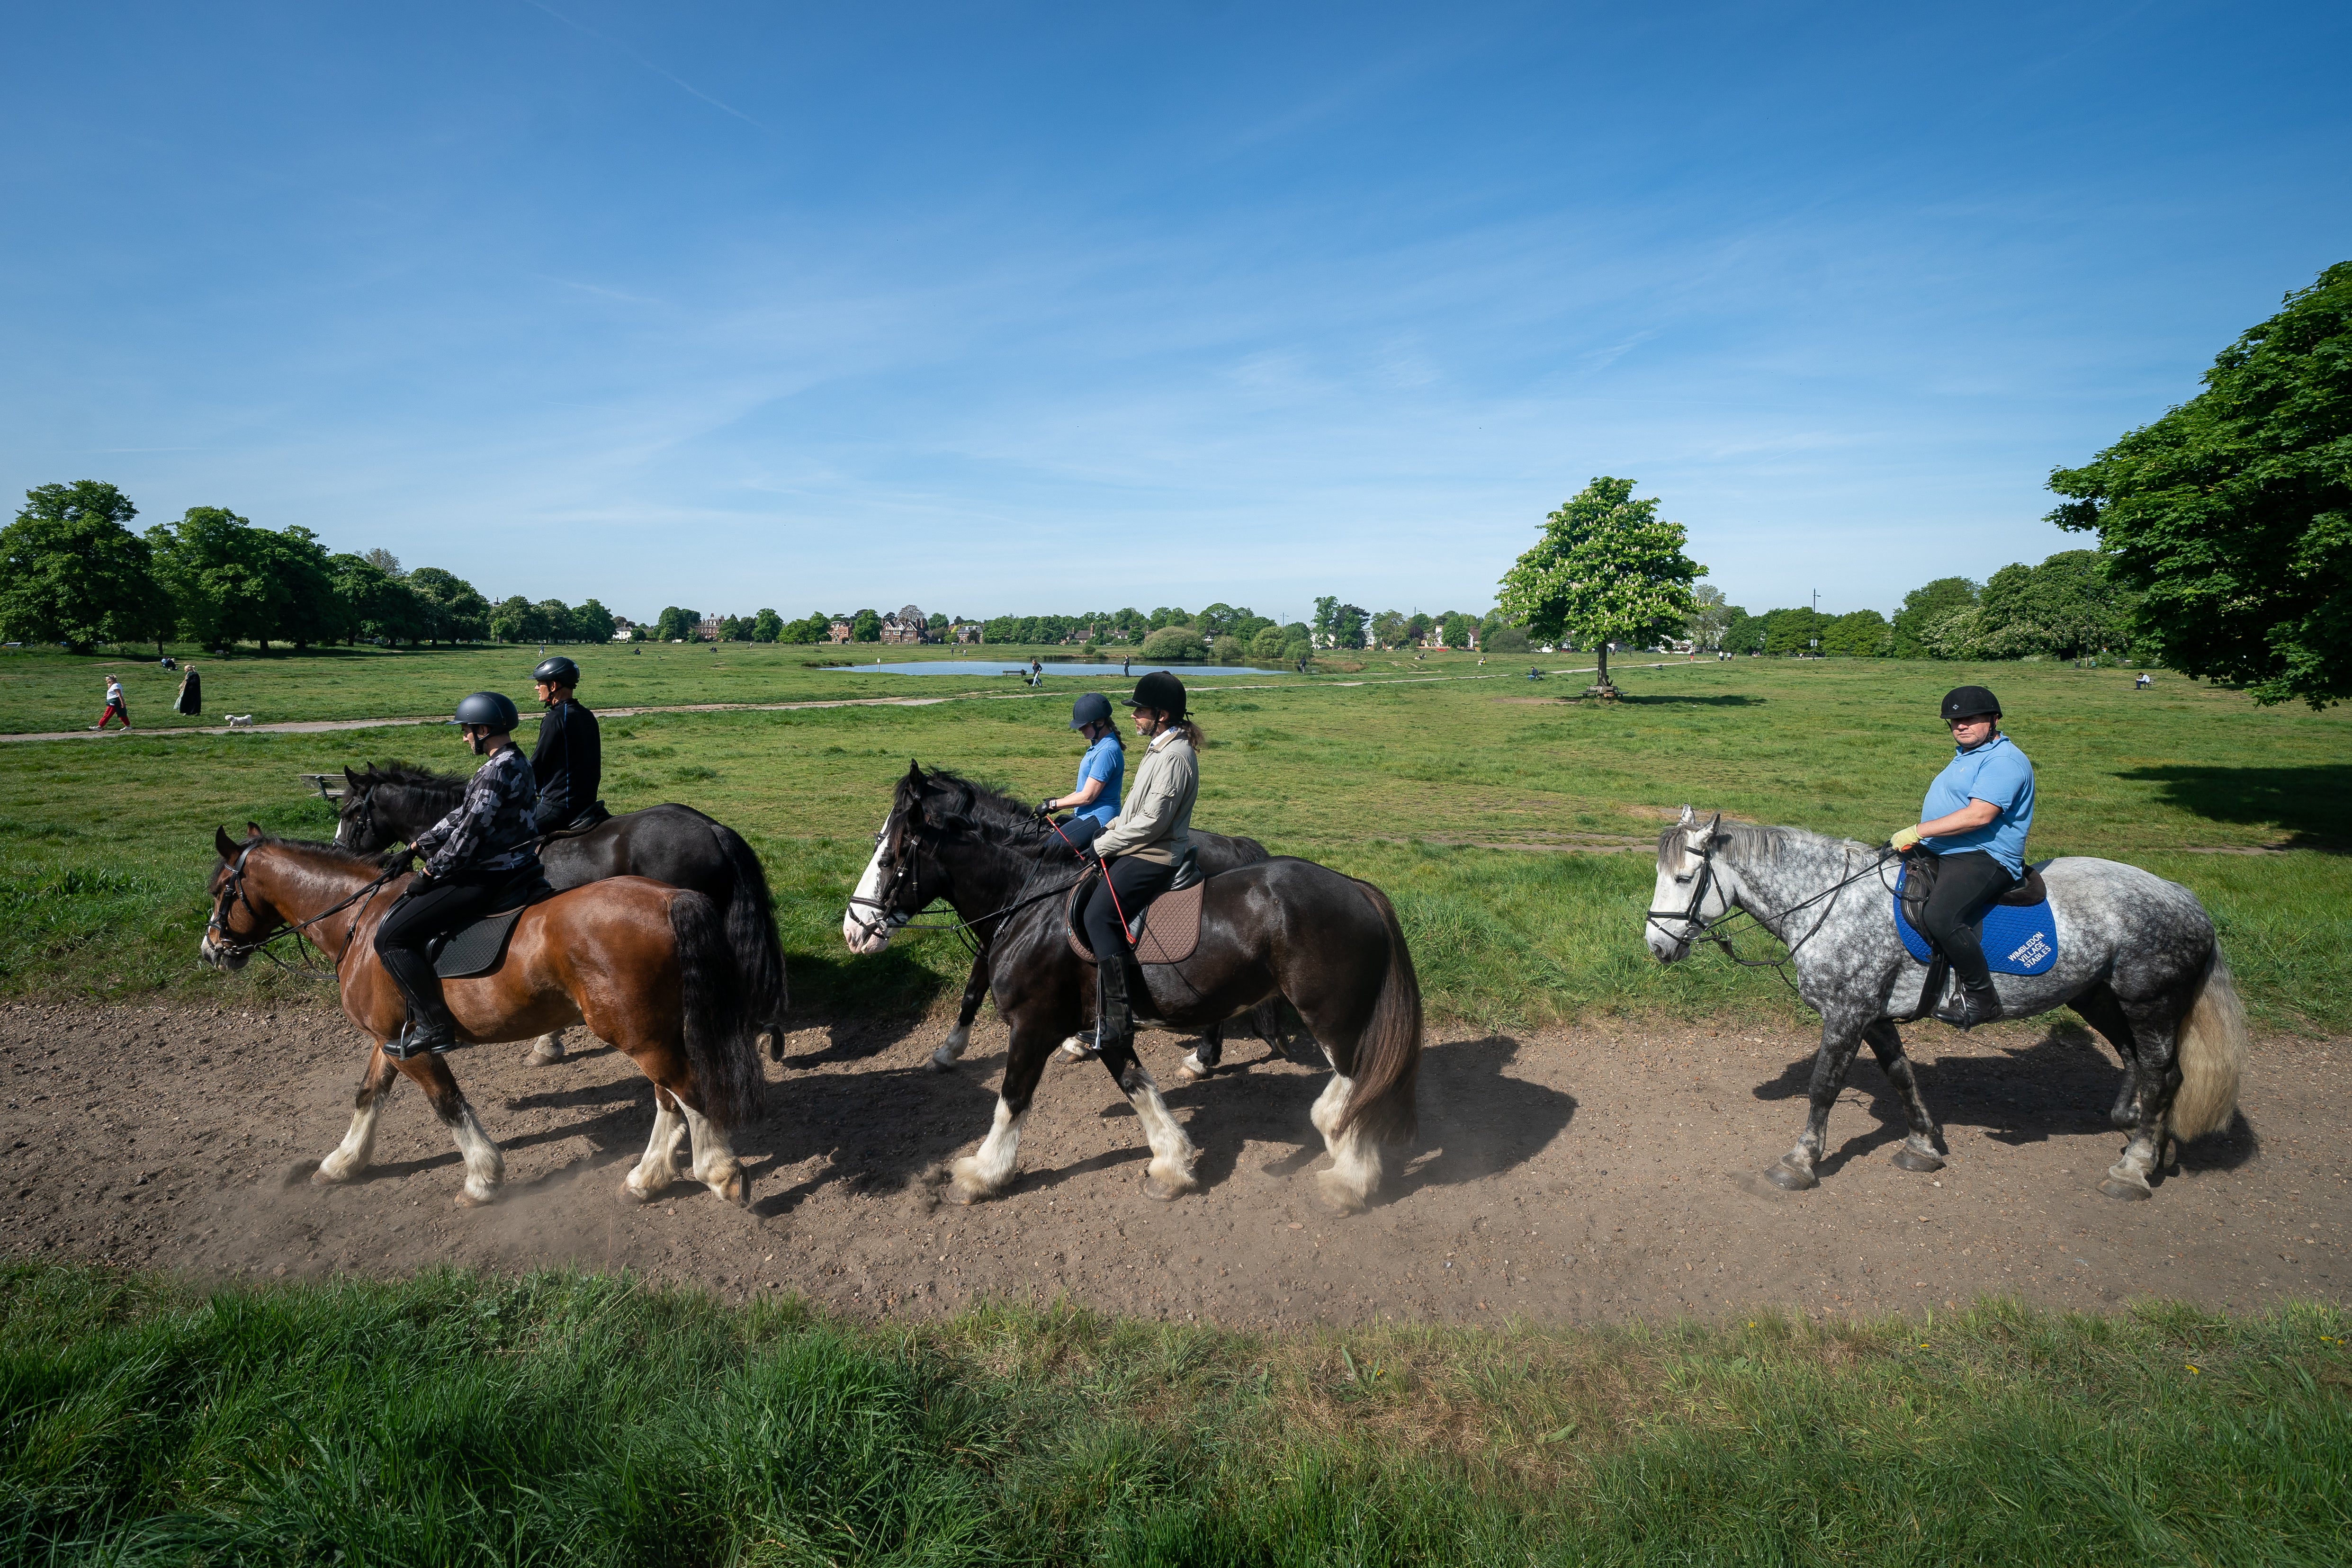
(1098, 672)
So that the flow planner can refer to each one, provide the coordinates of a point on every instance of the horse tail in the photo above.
(719, 1050)
(752, 930)
(1387, 1067)
(2211, 1049)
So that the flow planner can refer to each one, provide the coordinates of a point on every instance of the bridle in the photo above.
(216, 927)
(903, 867)
(362, 819)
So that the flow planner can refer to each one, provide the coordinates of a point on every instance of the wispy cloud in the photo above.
(668, 75)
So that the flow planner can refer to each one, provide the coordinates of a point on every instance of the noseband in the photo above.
(890, 917)
(217, 926)
(362, 819)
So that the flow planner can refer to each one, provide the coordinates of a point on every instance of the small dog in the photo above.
(238, 720)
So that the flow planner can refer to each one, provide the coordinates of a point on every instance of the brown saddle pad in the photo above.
(1171, 925)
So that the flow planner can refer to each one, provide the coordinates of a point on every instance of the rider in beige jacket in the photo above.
(1140, 848)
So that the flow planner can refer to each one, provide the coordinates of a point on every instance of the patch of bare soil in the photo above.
(1587, 1174)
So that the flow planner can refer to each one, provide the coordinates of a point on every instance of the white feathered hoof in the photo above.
(1193, 1069)
(1165, 1184)
(471, 1200)
(545, 1052)
(1341, 1193)
(943, 1060)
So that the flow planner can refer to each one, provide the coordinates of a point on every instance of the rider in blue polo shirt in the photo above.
(1095, 795)
(1974, 821)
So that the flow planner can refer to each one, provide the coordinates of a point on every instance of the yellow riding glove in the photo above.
(1904, 838)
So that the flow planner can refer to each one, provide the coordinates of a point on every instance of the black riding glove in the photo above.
(1045, 807)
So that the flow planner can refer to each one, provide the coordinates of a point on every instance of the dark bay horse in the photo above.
(392, 801)
(1216, 853)
(1283, 927)
(642, 964)
(2137, 958)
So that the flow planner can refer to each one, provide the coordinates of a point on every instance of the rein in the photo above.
(1699, 929)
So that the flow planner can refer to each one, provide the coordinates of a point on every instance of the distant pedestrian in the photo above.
(1127, 665)
(2145, 680)
(115, 707)
(191, 700)
(1036, 670)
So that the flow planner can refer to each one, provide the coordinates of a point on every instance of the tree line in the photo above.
(73, 572)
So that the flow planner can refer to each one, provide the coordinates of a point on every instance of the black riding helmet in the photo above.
(557, 671)
(1092, 708)
(1159, 690)
(1967, 702)
(488, 710)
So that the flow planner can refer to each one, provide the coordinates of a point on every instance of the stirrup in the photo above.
(419, 1039)
(1959, 1009)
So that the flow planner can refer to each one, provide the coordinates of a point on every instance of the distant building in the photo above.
(707, 629)
(906, 625)
(622, 627)
(965, 632)
(838, 633)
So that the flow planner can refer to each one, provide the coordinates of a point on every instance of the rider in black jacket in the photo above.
(479, 858)
(569, 761)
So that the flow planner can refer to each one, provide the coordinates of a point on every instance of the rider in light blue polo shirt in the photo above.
(1974, 821)
(1096, 796)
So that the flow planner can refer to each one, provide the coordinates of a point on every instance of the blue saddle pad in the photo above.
(2018, 938)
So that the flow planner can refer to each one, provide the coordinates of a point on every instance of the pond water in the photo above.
(1102, 671)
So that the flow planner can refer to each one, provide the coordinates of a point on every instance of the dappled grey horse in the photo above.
(2137, 958)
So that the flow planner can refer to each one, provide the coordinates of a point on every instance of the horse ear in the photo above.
(1688, 818)
(222, 844)
(351, 778)
(1712, 823)
(253, 830)
(914, 773)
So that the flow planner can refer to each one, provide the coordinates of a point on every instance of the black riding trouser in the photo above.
(1136, 883)
(451, 904)
(1967, 885)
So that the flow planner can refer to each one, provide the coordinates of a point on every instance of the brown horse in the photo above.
(643, 964)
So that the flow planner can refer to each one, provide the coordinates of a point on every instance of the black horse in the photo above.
(1327, 944)
(1216, 853)
(392, 801)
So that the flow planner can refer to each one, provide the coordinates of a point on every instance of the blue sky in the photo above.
(1017, 308)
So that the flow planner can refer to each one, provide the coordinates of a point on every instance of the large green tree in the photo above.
(222, 573)
(1607, 569)
(1925, 608)
(71, 572)
(2232, 514)
(454, 608)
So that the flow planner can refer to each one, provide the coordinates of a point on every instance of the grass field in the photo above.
(1510, 822)
(585, 1419)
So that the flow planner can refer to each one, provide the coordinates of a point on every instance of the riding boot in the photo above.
(1975, 1002)
(431, 1026)
(1114, 1015)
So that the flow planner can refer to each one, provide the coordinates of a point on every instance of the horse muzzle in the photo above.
(866, 935)
(218, 957)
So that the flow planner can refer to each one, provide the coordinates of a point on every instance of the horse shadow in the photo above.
(1657, 699)
(2060, 1085)
(1477, 1121)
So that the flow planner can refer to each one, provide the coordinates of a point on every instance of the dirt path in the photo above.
(1577, 1175)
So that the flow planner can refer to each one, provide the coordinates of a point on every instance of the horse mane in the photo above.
(330, 851)
(1755, 842)
(998, 815)
(412, 775)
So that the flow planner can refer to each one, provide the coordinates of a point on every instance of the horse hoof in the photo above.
(963, 1196)
(1339, 1195)
(2128, 1192)
(736, 1189)
(1910, 1159)
(1788, 1178)
(468, 1200)
(942, 1061)
(631, 1194)
(537, 1058)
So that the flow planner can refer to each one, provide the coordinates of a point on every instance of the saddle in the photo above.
(2017, 932)
(595, 816)
(478, 949)
(1164, 931)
